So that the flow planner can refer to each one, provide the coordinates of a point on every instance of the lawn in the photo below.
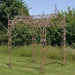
(23, 65)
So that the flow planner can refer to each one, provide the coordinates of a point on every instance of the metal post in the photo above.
(34, 45)
(43, 49)
(64, 45)
(9, 44)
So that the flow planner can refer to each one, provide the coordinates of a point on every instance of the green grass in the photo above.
(51, 52)
(23, 64)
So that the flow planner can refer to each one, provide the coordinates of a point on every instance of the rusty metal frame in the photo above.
(41, 23)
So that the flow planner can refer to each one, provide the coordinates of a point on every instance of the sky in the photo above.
(48, 6)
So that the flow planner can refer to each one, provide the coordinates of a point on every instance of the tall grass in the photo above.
(51, 52)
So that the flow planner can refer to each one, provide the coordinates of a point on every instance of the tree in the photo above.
(70, 19)
(13, 8)
(70, 25)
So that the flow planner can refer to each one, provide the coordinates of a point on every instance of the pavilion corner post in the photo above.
(64, 44)
(33, 45)
(43, 49)
(9, 43)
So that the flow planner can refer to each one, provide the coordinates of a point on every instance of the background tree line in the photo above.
(21, 35)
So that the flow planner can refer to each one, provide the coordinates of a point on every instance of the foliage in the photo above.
(70, 25)
(13, 8)
(73, 45)
(54, 35)
(21, 35)
(3, 38)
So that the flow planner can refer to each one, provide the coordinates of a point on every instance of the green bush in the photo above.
(73, 45)
(54, 35)
(21, 35)
(3, 38)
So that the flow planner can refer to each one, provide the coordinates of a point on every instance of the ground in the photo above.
(25, 66)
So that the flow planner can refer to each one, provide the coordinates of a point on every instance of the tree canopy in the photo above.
(70, 24)
(13, 8)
